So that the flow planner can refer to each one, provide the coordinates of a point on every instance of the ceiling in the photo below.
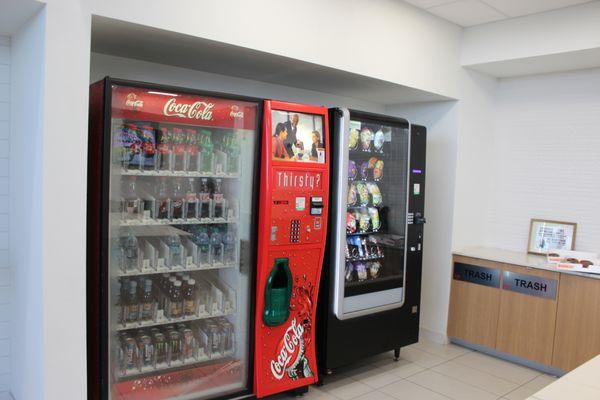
(475, 12)
(14, 13)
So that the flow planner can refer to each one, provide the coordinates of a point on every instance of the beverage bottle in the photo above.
(229, 249)
(218, 201)
(160, 345)
(176, 300)
(207, 152)
(129, 145)
(189, 298)
(165, 150)
(191, 200)
(146, 348)
(131, 200)
(216, 246)
(148, 301)
(233, 152)
(148, 148)
(204, 199)
(177, 200)
(175, 253)
(192, 150)
(278, 294)
(162, 199)
(179, 139)
(130, 253)
(133, 305)
(123, 287)
(202, 240)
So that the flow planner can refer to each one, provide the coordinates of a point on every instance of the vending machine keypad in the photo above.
(295, 231)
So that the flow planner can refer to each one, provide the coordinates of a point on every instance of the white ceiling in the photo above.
(475, 12)
(14, 13)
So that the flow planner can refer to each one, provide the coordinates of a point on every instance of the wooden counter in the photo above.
(531, 313)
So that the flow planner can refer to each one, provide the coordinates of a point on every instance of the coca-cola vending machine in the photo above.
(291, 245)
(173, 177)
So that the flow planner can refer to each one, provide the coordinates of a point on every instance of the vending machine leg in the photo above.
(299, 392)
(397, 354)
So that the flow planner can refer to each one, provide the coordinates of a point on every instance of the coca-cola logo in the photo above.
(132, 101)
(289, 351)
(235, 112)
(197, 110)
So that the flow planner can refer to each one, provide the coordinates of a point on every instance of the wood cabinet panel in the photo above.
(526, 323)
(473, 312)
(578, 322)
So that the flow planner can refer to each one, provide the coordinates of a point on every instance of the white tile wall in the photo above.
(5, 272)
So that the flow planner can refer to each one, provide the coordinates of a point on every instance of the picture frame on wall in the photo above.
(547, 234)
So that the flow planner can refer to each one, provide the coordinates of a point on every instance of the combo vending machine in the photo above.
(172, 217)
(370, 290)
(291, 245)
(190, 294)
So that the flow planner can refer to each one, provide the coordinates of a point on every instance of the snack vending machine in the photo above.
(171, 242)
(371, 285)
(291, 245)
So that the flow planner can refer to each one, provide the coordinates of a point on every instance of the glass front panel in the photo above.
(297, 137)
(376, 206)
(181, 184)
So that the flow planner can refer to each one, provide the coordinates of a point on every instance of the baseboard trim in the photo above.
(434, 336)
(509, 357)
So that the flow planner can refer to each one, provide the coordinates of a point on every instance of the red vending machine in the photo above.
(291, 243)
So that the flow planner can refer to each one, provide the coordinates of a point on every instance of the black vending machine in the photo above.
(371, 283)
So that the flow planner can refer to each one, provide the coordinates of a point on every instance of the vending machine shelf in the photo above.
(166, 270)
(161, 320)
(202, 358)
(177, 174)
(192, 221)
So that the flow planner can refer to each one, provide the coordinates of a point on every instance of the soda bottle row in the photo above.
(174, 345)
(211, 246)
(148, 300)
(178, 200)
(176, 149)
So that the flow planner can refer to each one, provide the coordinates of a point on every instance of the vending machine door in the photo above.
(172, 233)
(370, 213)
(291, 245)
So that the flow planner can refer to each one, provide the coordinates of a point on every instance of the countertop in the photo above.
(582, 384)
(519, 258)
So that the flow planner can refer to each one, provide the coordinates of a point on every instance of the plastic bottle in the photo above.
(177, 200)
(133, 304)
(162, 199)
(218, 201)
(131, 201)
(189, 298)
(191, 200)
(229, 250)
(130, 253)
(207, 152)
(176, 300)
(147, 308)
(174, 244)
(191, 150)
(179, 145)
(204, 199)
(216, 246)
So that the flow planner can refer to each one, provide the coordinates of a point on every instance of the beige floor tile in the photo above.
(477, 378)
(314, 393)
(521, 393)
(565, 390)
(500, 368)
(446, 351)
(375, 395)
(450, 387)
(373, 376)
(405, 390)
(541, 381)
(420, 357)
(346, 388)
(401, 368)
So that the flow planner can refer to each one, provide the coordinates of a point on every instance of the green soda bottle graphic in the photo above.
(207, 151)
(278, 293)
(233, 151)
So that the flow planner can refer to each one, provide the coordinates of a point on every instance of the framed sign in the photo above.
(545, 235)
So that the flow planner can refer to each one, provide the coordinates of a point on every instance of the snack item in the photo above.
(349, 271)
(364, 170)
(352, 194)
(378, 170)
(350, 223)
(378, 140)
(366, 136)
(376, 196)
(363, 193)
(375, 221)
(374, 269)
(553, 255)
(372, 162)
(572, 260)
(361, 271)
(353, 139)
(586, 263)
(364, 220)
(352, 170)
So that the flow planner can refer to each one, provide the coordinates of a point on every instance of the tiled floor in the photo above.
(430, 371)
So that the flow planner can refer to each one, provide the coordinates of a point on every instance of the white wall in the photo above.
(26, 198)
(419, 50)
(5, 270)
(546, 160)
